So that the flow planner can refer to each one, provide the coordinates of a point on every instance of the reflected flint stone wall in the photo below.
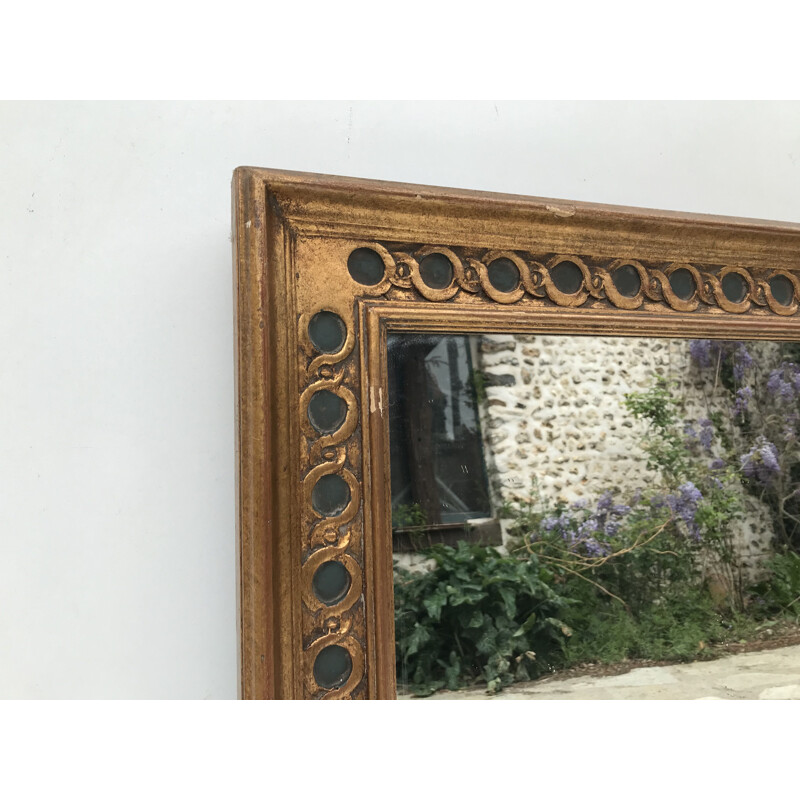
(554, 411)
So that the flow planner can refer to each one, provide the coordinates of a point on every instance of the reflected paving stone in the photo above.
(330, 495)
(436, 271)
(791, 692)
(734, 287)
(627, 280)
(327, 332)
(682, 283)
(751, 679)
(567, 277)
(503, 274)
(646, 676)
(766, 675)
(331, 582)
(782, 290)
(366, 266)
(332, 666)
(326, 411)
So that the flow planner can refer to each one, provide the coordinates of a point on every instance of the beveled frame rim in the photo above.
(290, 230)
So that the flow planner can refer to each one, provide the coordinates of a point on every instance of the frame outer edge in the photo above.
(235, 190)
(263, 582)
(256, 667)
(324, 205)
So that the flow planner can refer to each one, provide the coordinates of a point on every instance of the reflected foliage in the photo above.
(478, 616)
(762, 425)
(780, 595)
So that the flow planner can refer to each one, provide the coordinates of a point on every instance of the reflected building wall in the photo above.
(553, 412)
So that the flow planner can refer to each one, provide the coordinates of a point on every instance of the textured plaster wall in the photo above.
(554, 414)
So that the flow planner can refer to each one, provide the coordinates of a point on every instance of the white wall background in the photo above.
(117, 565)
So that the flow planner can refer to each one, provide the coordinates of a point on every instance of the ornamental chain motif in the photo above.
(570, 280)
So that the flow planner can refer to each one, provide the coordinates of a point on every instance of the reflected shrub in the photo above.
(478, 616)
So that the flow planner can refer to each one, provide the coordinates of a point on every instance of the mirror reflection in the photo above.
(568, 511)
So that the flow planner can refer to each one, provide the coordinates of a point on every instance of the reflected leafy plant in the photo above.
(477, 616)
(409, 515)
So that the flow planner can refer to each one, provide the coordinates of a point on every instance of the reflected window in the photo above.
(440, 490)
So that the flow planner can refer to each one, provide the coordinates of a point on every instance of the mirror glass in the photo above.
(568, 511)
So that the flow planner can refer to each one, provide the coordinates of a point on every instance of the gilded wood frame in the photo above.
(293, 235)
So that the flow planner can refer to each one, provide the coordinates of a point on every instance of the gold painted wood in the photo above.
(294, 233)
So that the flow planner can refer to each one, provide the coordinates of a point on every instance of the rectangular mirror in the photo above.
(582, 506)
(462, 311)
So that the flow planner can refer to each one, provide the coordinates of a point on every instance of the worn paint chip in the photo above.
(562, 211)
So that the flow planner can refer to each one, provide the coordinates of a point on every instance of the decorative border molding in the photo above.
(471, 275)
(332, 537)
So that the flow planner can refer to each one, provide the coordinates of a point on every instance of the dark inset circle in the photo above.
(332, 666)
(331, 582)
(567, 277)
(627, 280)
(436, 271)
(366, 266)
(330, 495)
(782, 290)
(503, 274)
(326, 411)
(682, 283)
(327, 332)
(734, 287)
